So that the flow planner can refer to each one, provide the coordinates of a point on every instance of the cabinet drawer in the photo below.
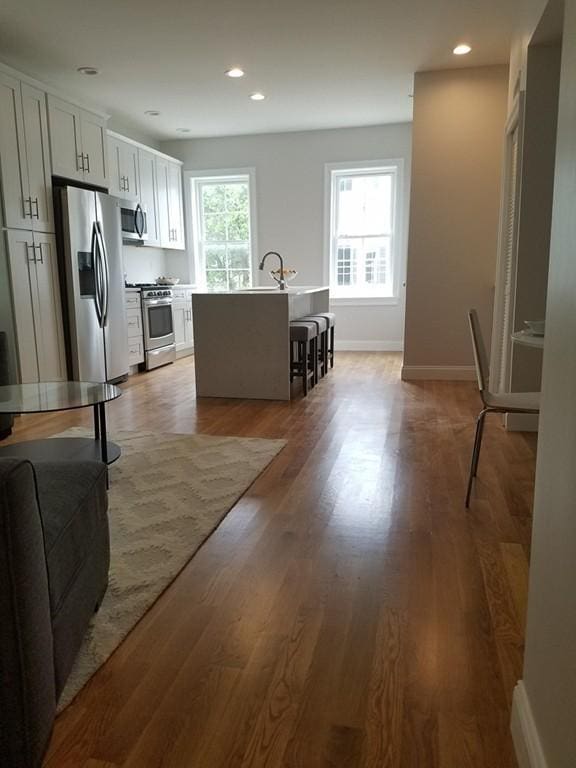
(132, 300)
(135, 352)
(179, 293)
(134, 324)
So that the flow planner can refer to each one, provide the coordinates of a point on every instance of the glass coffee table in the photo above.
(47, 396)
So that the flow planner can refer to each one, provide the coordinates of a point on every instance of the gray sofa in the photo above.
(54, 559)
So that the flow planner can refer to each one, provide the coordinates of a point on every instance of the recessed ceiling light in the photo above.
(235, 72)
(462, 49)
(88, 71)
(183, 130)
(257, 96)
(152, 112)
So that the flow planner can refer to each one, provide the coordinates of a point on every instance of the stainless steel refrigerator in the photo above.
(94, 275)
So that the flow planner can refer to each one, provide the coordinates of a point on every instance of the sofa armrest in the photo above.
(27, 691)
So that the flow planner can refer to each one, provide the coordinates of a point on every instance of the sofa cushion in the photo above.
(73, 502)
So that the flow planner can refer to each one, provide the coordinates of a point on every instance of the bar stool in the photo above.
(331, 318)
(322, 328)
(305, 336)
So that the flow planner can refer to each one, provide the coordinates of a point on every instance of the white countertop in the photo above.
(295, 290)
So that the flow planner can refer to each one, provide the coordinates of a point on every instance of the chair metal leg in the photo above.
(480, 432)
(304, 345)
(475, 453)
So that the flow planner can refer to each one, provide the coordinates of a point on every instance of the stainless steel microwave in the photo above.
(134, 221)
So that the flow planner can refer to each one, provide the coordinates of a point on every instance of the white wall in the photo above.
(143, 264)
(544, 718)
(290, 193)
(459, 121)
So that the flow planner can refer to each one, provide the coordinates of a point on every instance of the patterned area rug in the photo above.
(167, 494)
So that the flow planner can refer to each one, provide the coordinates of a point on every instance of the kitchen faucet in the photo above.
(281, 282)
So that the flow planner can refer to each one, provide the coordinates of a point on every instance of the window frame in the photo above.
(194, 179)
(334, 172)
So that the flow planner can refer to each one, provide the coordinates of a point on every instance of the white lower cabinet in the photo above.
(134, 328)
(182, 315)
(37, 306)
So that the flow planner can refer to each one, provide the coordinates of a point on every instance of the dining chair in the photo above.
(506, 402)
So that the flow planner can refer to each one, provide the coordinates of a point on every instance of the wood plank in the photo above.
(349, 611)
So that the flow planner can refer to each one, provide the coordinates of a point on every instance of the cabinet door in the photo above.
(12, 156)
(179, 315)
(38, 158)
(163, 203)
(189, 324)
(176, 215)
(115, 180)
(94, 149)
(48, 311)
(129, 170)
(65, 139)
(148, 195)
(24, 293)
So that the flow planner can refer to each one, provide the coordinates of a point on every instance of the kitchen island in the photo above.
(242, 339)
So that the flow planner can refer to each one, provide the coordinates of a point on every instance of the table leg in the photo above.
(96, 423)
(103, 437)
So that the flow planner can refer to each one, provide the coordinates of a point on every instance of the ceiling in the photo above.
(321, 63)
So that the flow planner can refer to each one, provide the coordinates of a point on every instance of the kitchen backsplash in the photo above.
(143, 265)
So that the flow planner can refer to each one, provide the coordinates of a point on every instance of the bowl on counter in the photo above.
(167, 280)
(289, 274)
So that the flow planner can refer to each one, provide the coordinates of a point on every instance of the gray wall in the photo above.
(290, 191)
(550, 659)
(458, 136)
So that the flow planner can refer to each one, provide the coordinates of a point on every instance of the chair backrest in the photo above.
(480, 357)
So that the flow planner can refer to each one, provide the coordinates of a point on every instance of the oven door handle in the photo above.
(157, 302)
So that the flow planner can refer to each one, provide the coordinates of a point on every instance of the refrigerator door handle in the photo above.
(105, 273)
(94, 250)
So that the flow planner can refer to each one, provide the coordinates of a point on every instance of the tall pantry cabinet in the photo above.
(28, 229)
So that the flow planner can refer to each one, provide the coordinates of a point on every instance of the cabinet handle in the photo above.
(36, 215)
(87, 162)
(127, 184)
(40, 252)
(27, 202)
(80, 162)
(33, 258)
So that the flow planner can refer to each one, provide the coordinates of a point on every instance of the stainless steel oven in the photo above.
(134, 221)
(159, 346)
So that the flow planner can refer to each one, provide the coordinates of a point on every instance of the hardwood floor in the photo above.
(349, 611)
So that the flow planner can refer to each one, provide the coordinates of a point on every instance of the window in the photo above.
(363, 232)
(223, 231)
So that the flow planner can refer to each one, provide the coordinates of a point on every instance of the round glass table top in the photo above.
(54, 396)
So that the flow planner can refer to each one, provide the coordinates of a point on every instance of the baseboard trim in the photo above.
(527, 743)
(438, 373)
(368, 346)
(521, 422)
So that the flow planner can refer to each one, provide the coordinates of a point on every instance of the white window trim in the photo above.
(214, 174)
(396, 164)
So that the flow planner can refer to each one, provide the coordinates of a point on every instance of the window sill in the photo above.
(364, 301)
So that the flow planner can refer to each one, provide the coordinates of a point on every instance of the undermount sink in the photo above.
(270, 288)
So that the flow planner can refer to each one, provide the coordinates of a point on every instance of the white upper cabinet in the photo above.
(170, 212)
(148, 194)
(24, 157)
(175, 205)
(163, 202)
(154, 180)
(123, 158)
(94, 148)
(78, 143)
(38, 158)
